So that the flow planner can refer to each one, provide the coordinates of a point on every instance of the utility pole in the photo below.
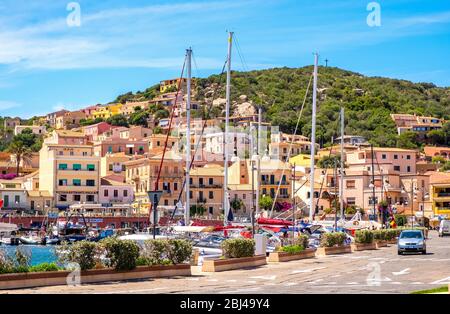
(227, 121)
(313, 139)
(326, 62)
(341, 185)
(188, 138)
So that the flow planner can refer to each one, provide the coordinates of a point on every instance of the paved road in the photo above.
(380, 271)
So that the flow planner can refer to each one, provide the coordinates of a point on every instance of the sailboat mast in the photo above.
(313, 139)
(188, 137)
(341, 185)
(227, 121)
(259, 153)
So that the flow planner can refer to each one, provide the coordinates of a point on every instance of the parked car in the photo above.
(412, 241)
(444, 228)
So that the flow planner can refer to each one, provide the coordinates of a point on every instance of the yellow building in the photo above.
(70, 173)
(274, 174)
(114, 164)
(105, 112)
(440, 193)
(142, 173)
(206, 188)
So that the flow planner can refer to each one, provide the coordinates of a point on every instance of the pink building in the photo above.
(393, 176)
(93, 131)
(115, 192)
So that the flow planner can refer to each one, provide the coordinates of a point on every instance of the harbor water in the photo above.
(39, 253)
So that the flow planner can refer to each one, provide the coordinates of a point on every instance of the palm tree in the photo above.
(21, 151)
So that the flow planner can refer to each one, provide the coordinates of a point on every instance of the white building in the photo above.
(36, 129)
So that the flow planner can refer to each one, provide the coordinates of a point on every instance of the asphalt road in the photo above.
(379, 271)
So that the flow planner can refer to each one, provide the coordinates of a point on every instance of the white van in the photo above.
(444, 228)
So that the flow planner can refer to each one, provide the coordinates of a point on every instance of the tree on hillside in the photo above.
(329, 161)
(437, 137)
(161, 114)
(21, 151)
(407, 140)
(118, 120)
(139, 118)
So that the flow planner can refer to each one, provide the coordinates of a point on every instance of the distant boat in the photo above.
(30, 240)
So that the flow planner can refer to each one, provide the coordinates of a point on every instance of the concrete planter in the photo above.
(342, 249)
(392, 241)
(217, 265)
(363, 246)
(277, 257)
(381, 244)
(56, 278)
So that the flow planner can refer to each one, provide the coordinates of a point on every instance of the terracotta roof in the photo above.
(68, 133)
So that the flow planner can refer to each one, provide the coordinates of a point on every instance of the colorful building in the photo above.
(105, 112)
(70, 173)
(440, 193)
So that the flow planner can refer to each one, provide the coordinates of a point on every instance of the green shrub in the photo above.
(364, 236)
(84, 253)
(23, 258)
(401, 220)
(165, 252)
(180, 251)
(292, 249)
(303, 240)
(237, 248)
(332, 239)
(121, 254)
(6, 262)
(44, 267)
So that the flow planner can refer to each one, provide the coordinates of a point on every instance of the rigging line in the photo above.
(195, 64)
(241, 56)
(322, 182)
(167, 136)
(205, 123)
(292, 143)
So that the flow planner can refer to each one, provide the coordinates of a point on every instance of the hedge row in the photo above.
(124, 254)
(332, 239)
(237, 248)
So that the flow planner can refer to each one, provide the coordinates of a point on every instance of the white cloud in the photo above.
(6, 105)
(128, 37)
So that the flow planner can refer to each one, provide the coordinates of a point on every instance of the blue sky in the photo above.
(124, 46)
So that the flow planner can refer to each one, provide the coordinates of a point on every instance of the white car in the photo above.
(444, 228)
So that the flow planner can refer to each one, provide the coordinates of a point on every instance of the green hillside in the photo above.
(368, 100)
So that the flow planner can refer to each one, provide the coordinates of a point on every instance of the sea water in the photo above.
(39, 253)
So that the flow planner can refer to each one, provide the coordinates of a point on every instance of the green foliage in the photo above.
(118, 120)
(350, 210)
(329, 161)
(237, 248)
(266, 202)
(84, 253)
(368, 101)
(292, 249)
(400, 220)
(197, 210)
(122, 254)
(165, 252)
(161, 114)
(139, 117)
(237, 204)
(408, 140)
(363, 236)
(332, 239)
(157, 130)
(86, 122)
(44, 267)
